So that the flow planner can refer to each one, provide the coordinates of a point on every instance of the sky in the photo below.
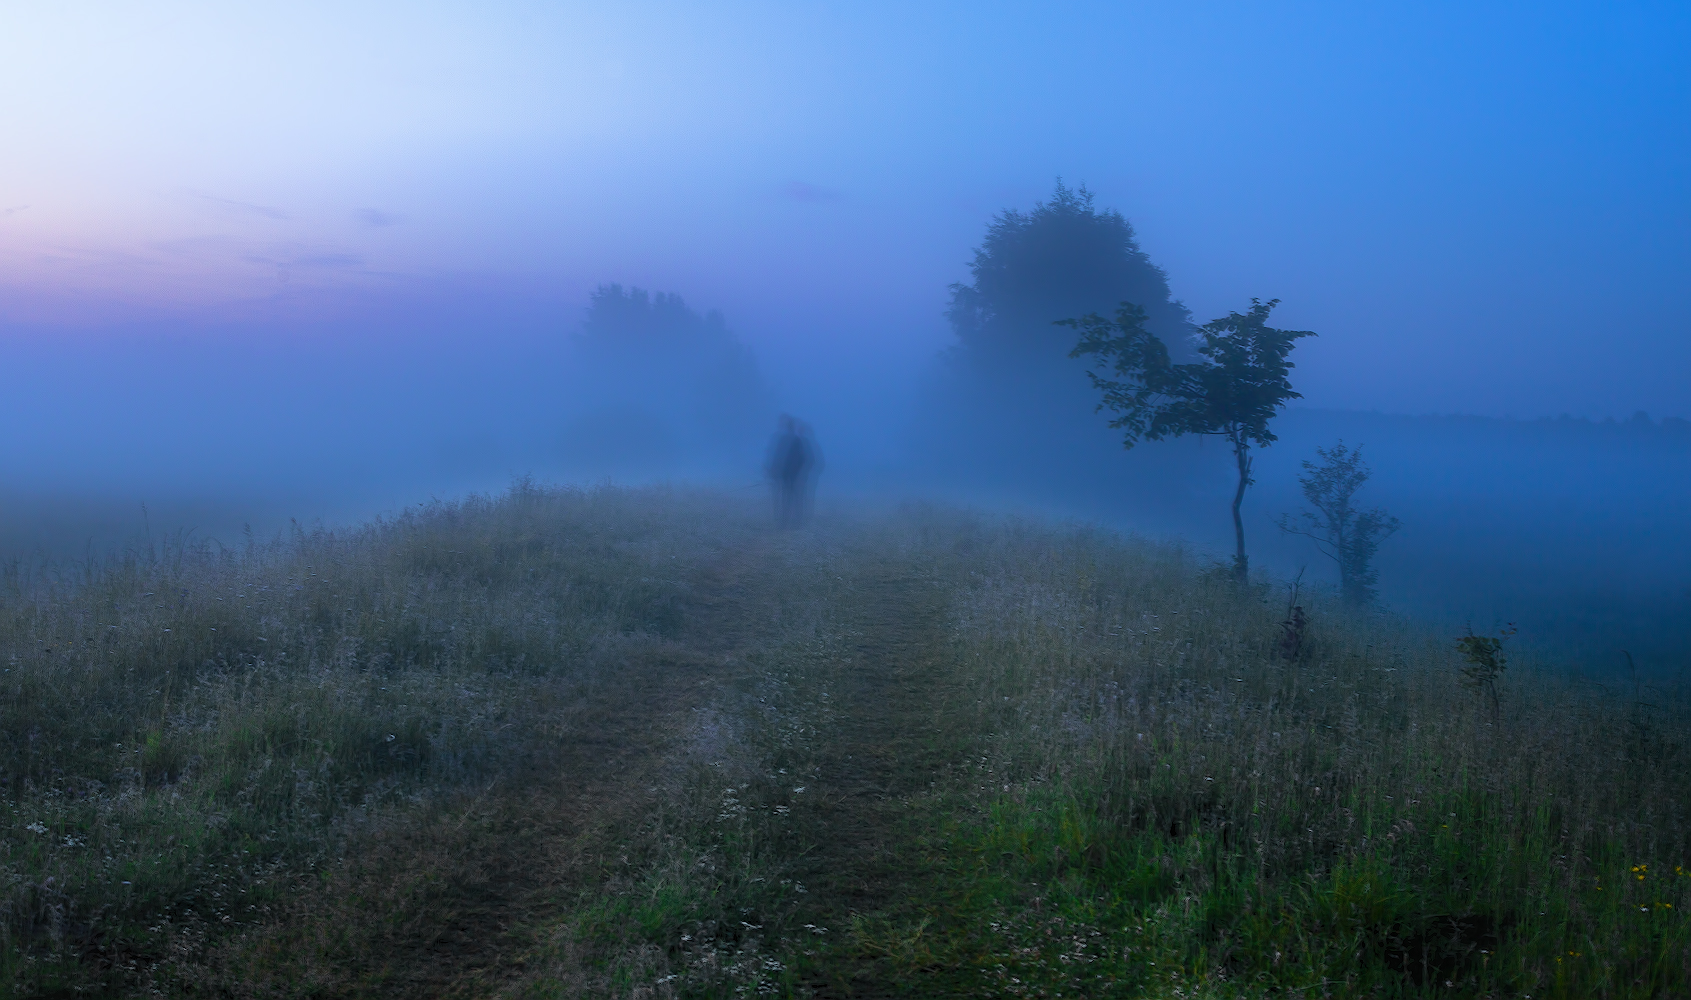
(1481, 208)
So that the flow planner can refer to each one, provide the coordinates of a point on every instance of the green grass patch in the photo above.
(625, 743)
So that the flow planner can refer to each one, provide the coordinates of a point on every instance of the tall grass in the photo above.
(1349, 821)
(926, 751)
(185, 726)
(1116, 783)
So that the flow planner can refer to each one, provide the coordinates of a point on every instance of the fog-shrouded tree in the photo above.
(1006, 403)
(658, 387)
(1064, 257)
(1240, 380)
(1341, 530)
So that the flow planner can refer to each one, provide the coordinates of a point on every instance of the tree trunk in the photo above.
(1241, 563)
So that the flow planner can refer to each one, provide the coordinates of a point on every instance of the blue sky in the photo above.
(1480, 207)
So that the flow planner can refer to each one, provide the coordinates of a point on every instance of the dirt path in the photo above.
(447, 903)
(884, 748)
(454, 901)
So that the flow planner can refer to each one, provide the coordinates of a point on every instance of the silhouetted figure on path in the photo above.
(794, 461)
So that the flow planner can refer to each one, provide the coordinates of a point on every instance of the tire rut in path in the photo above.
(883, 749)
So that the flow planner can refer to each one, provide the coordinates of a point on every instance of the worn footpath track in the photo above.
(886, 745)
(449, 903)
(456, 902)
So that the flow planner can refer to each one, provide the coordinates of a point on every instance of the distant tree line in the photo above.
(1639, 427)
(655, 387)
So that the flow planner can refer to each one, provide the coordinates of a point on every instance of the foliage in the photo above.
(1062, 258)
(1484, 663)
(1293, 632)
(1343, 533)
(1238, 385)
(1004, 404)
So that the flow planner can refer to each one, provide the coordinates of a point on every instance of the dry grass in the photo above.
(1349, 821)
(626, 743)
(191, 731)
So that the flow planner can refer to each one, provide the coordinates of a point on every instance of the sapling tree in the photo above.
(1484, 664)
(1343, 532)
(1232, 392)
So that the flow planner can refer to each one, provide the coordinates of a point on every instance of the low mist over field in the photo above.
(258, 268)
(1571, 527)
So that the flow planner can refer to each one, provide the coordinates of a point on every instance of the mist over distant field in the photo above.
(314, 265)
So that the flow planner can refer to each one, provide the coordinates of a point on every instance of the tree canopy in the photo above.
(1239, 383)
(1005, 405)
(1064, 257)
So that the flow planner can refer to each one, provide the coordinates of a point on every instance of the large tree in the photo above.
(1063, 257)
(1006, 408)
(1232, 391)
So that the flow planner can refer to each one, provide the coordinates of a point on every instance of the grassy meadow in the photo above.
(635, 743)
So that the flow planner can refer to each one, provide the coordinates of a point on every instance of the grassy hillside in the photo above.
(631, 743)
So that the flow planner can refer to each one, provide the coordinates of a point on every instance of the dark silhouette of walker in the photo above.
(794, 462)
